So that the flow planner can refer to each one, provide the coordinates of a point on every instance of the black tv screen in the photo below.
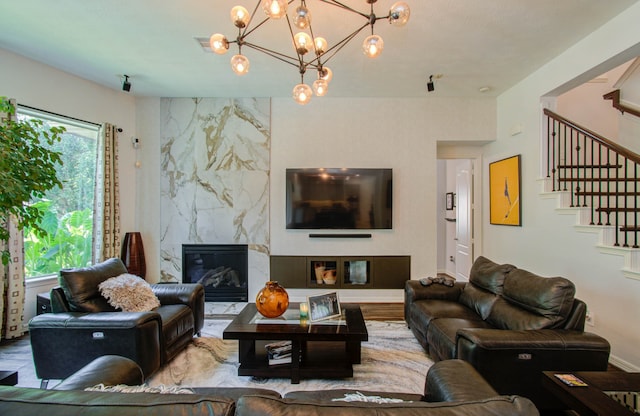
(350, 199)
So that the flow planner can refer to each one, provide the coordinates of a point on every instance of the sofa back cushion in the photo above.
(29, 401)
(486, 281)
(530, 301)
(80, 285)
(498, 405)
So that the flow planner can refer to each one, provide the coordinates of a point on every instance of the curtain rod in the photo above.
(59, 115)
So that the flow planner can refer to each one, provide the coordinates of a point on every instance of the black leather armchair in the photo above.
(84, 326)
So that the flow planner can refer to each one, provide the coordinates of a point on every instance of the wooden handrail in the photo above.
(614, 96)
(622, 151)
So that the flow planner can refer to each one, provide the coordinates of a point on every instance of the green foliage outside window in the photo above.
(28, 169)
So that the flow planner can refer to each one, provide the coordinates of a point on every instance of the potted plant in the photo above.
(28, 169)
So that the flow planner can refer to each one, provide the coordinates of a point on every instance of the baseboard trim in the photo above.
(623, 365)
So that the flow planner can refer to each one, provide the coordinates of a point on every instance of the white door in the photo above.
(464, 219)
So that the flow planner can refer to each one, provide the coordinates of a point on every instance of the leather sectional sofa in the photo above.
(452, 388)
(84, 326)
(510, 324)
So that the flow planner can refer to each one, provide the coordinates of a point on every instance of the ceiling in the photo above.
(472, 43)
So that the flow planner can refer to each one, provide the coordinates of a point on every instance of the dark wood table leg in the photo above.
(246, 349)
(295, 362)
(353, 351)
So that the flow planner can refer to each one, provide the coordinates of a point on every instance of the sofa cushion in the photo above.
(268, 406)
(486, 282)
(530, 301)
(129, 293)
(488, 275)
(80, 285)
(442, 336)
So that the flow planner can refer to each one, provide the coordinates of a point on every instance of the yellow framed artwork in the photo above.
(504, 192)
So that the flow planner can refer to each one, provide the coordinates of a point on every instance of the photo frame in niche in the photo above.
(504, 192)
(450, 200)
(323, 306)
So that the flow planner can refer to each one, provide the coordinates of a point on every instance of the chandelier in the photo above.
(310, 52)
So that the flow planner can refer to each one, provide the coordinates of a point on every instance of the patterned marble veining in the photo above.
(214, 179)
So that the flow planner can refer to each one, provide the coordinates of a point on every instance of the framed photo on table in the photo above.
(323, 306)
(504, 192)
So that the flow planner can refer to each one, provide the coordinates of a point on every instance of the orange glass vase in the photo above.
(272, 300)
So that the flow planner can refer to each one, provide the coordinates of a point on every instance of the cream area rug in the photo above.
(392, 361)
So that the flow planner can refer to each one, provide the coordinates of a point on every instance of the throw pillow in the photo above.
(123, 388)
(129, 293)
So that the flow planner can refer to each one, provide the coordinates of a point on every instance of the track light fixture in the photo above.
(310, 52)
(126, 85)
(430, 85)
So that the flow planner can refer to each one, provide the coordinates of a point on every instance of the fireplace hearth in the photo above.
(221, 268)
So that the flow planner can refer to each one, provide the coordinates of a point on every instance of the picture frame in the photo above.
(450, 202)
(323, 306)
(504, 192)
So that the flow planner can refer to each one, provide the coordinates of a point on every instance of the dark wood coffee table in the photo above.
(591, 399)
(327, 349)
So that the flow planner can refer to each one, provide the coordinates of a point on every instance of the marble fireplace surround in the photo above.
(215, 180)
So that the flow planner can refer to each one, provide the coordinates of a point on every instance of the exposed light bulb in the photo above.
(320, 87)
(325, 73)
(302, 94)
(240, 17)
(275, 9)
(219, 43)
(399, 14)
(373, 46)
(321, 45)
(302, 18)
(302, 42)
(240, 64)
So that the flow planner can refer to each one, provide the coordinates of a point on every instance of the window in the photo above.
(68, 215)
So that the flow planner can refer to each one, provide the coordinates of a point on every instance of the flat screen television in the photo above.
(349, 199)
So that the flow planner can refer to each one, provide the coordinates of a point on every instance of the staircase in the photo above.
(598, 181)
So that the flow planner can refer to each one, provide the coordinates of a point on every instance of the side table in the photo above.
(43, 301)
(8, 378)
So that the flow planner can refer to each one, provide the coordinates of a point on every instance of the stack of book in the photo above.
(279, 352)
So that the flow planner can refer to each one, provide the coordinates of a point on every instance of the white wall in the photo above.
(401, 134)
(546, 243)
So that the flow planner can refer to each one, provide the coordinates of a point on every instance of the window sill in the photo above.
(41, 281)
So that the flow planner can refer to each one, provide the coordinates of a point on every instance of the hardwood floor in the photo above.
(383, 311)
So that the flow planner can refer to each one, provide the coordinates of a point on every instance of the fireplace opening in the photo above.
(221, 268)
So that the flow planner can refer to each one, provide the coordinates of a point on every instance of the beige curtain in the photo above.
(106, 209)
(12, 288)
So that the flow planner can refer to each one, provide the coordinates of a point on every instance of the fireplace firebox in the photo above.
(221, 268)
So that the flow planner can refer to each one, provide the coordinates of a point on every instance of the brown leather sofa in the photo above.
(84, 326)
(510, 324)
(452, 388)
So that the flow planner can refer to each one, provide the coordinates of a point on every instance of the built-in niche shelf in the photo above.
(341, 272)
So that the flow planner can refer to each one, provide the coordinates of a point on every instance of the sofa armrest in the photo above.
(190, 294)
(540, 339)
(62, 343)
(109, 370)
(414, 291)
(513, 361)
(455, 380)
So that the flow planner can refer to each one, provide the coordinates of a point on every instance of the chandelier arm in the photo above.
(253, 14)
(280, 56)
(332, 51)
(293, 39)
(345, 7)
